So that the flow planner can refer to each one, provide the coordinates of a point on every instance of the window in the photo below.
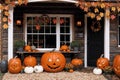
(54, 30)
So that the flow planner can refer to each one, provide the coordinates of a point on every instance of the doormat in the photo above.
(76, 75)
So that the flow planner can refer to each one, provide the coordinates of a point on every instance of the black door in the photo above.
(95, 40)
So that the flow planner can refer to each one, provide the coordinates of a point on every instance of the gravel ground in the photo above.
(83, 74)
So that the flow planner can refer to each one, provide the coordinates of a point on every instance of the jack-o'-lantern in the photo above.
(102, 62)
(53, 61)
(116, 65)
(30, 61)
(14, 65)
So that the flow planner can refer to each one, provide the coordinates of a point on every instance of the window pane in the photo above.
(50, 41)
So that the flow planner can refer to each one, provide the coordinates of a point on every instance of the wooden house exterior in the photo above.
(105, 41)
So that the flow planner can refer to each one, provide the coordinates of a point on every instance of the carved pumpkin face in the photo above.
(53, 61)
(116, 65)
(14, 65)
(102, 63)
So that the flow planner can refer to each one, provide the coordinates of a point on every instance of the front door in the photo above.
(95, 40)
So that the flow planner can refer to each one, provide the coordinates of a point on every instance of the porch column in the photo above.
(10, 34)
(107, 37)
(0, 36)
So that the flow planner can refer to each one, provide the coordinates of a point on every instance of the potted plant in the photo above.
(19, 45)
(75, 45)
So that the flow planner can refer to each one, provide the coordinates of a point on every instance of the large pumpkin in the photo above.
(116, 65)
(76, 62)
(30, 61)
(53, 61)
(102, 62)
(14, 65)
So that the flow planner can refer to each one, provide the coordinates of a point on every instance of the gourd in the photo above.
(116, 65)
(97, 71)
(30, 61)
(102, 62)
(53, 61)
(38, 68)
(77, 62)
(28, 69)
(14, 65)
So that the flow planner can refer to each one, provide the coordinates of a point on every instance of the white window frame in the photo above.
(57, 28)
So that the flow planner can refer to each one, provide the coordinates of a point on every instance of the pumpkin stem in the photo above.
(101, 55)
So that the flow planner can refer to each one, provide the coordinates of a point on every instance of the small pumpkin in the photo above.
(102, 62)
(71, 70)
(64, 48)
(38, 68)
(30, 61)
(116, 65)
(53, 61)
(14, 65)
(28, 69)
(27, 48)
(97, 71)
(77, 62)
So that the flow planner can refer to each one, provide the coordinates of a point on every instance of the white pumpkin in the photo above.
(97, 71)
(28, 69)
(38, 68)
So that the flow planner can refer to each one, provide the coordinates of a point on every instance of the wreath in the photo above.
(96, 26)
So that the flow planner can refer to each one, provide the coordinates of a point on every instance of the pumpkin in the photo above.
(27, 48)
(28, 69)
(116, 65)
(30, 61)
(53, 61)
(76, 62)
(71, 70)
(38, 68)
(97, 71)
(4, 66)
(102, 62)
(64, 47)
(14, 65)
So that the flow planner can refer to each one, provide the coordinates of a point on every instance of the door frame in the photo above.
(106, 39)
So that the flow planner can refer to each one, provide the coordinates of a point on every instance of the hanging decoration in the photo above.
(96, 26)
(4, 7)
(44, 19)
(97, 8)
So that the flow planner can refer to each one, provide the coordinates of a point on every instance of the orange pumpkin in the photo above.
(102, 62)
(14, 65)
(116, 65)
(76, 62)
(30, 61)
(53, 61)
(27, 48)
(64, 48)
